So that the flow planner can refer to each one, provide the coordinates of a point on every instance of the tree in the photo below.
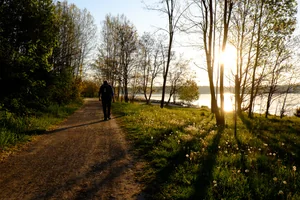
(277, 66)
(275, 22)
(151, 62)
(117, 52)
(189, 91)
(172, 9)
(243, 34)
(27, 39)
(75, 41)
(127, 41)
(228, 5)
(177, 75)
(208, 24)
(146, 45)
(86, 40)
(108, 62)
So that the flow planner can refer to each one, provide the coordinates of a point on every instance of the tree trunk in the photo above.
(167, 70)
(250, 114)
(126, 84)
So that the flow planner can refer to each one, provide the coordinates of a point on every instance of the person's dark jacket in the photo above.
(106, 92)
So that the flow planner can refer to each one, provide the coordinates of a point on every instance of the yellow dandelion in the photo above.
(275, 179)
(284, 182)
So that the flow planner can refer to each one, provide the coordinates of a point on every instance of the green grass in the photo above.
(15, 129)
(190, 158)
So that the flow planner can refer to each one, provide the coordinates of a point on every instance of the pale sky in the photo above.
(144, 21)
(134, 10)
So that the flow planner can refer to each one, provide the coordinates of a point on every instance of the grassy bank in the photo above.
(190, 158)
(15, 129)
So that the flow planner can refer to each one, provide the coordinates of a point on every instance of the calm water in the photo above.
(293, 101)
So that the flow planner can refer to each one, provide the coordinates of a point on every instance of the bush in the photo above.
(90, 89)
(189, 91)
(297, 113)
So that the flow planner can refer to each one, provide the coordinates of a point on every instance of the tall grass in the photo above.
(15, 129)
(190, 158)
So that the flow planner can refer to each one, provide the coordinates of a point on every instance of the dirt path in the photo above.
(83, 158)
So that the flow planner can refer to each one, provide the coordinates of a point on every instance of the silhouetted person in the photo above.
(106, 94)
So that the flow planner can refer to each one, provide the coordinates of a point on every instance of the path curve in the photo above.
(83, 158)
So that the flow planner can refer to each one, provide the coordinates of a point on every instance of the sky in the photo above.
(134, 10)
(144, 21)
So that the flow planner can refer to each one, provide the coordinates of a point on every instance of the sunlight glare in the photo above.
(229, 58)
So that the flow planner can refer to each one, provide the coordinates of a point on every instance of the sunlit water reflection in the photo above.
(293, 101)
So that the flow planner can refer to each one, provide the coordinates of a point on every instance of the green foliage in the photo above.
(189, 91)
(90, 89)
(10, 138)
(188, 157)
(64, 88)
(27, 38)
(15, 129)
(43, 48)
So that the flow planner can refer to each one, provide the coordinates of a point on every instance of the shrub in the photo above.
(297, 113)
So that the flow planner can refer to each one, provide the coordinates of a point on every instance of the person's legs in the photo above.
(108, 109)
(104, 109)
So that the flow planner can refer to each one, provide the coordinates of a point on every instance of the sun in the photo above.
(228, 57)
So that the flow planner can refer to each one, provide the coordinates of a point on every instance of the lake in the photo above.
(293, 101)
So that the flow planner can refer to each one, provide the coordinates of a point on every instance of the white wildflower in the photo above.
(280, 192)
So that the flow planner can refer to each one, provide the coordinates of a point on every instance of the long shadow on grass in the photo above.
(266, 132)
(205, 173)
(275, 144)
(288, 156)
(241, 148)
(262, 167)
(201, 182)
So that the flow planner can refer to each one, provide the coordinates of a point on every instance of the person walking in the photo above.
(106, 94)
